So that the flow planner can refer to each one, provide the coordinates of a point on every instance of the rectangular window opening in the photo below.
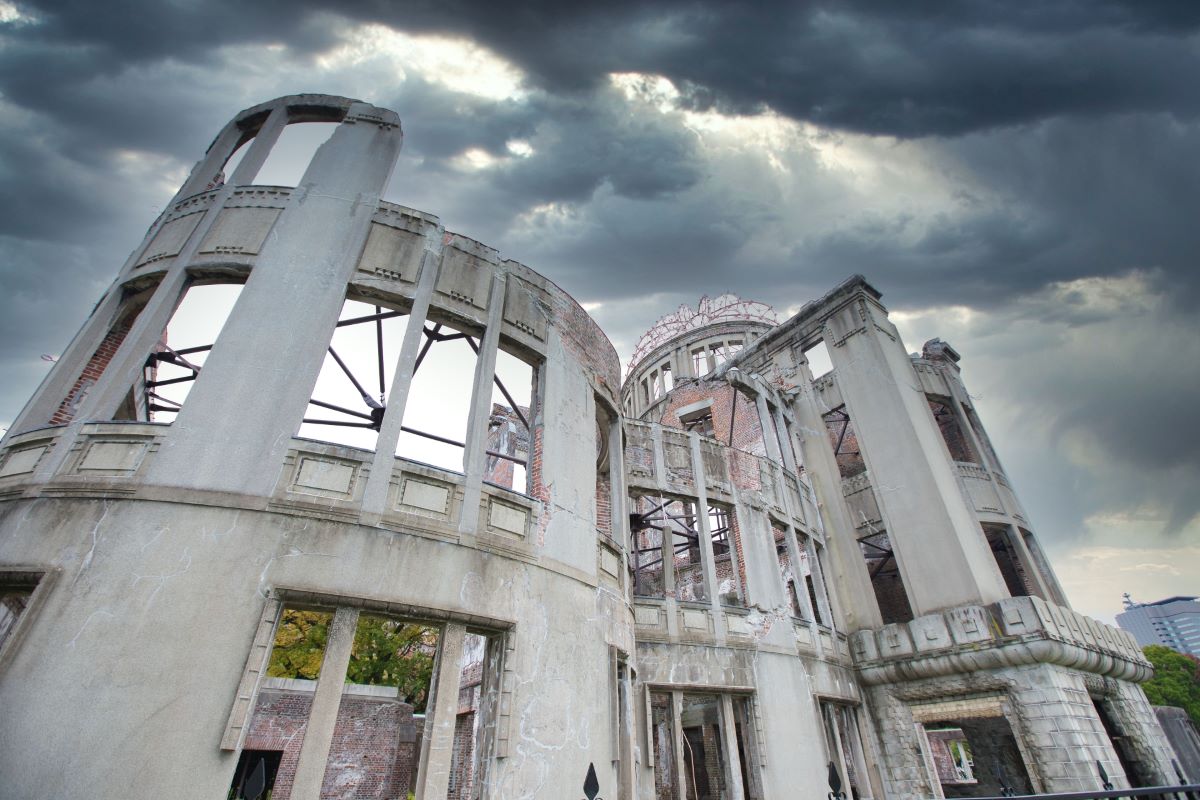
(1004, 550)
(666, 530)
(434, 429)
(385, 666)
(951, 429)
(510, 430)
(819, 362)
(972, 756)
(350, 396)
(844, 746)
(699, 362)
(667, 380)
(706, 771)
(727, 559)
(293, 150)
(16, 593)
(884, 571)
(844, 439)
(175, 365)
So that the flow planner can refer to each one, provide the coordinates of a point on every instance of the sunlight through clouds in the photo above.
(457, 64)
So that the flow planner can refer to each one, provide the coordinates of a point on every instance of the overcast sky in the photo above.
(1021, 179)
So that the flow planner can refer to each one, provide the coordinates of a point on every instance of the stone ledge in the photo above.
(1013, 632)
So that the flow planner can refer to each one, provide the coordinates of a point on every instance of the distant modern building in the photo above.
(1173, 622)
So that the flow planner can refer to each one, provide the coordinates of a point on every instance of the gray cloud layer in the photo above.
(989, 153)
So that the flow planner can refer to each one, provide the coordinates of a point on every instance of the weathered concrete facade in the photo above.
(713, 580)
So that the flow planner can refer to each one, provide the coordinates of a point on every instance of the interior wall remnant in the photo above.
(995, 761)
(706, 772)
(844, 439)
(99, 361)
(662, 733)
(886, 580)
(951, 428)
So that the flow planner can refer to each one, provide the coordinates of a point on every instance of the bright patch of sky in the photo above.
(457, 64)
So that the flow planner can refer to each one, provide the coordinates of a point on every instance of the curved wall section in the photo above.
(166, 552)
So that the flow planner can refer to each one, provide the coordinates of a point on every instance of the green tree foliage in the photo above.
(1176, 680)
(299, 644)
(386, 652)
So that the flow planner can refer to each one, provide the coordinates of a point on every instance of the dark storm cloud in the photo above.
(904, 69)
(1069, 128)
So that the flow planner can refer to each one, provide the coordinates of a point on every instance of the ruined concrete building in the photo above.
(401, 526)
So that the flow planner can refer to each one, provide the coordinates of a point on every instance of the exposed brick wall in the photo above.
(747, 430)
(507, 434)
(94, 368)
(952, 430)
(604, 505)
(373, 751)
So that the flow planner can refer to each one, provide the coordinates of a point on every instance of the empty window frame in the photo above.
(700, 421)
(953, 434)
(884, 571)
(386, 667)
(174, 366)
(727, 556)
(290, 155)
(982, 437)
(663, 525)
(819, 362)
(799, 580)
(350, 396)
(700, 365)
(843, 745)
(1010, 560)
(659, 523)
(844, 439)
(17, 590)
(510, 427)
(604, 466)
(692, 737)
(438, 409)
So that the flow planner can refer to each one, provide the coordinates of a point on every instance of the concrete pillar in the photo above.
(475, 457)
(729, 737)
(437, 742)
(237, 424)
(618, 495)
(318, 733)
(939, 546)
(260, 148)
(856, 595)
(707, 557)
(376, 491)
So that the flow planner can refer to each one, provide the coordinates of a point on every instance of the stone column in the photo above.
(474, 457)
(437, 742)
(376, 492)
(318, 733)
